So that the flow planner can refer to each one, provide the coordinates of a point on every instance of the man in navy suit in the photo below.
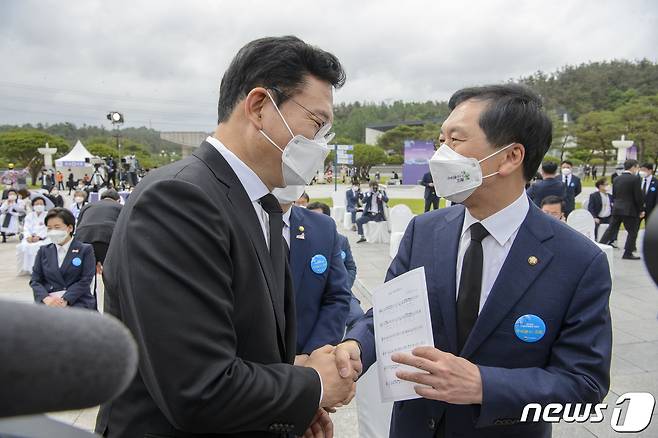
(600, 205)
(572, 186)
(649, 187)
(518, 300)
(431, 200)
(356, 311)
(550, 185)
(322, 298)
(373, 208)
(352, 197)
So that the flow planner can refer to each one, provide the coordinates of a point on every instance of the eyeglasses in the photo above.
(325, 127)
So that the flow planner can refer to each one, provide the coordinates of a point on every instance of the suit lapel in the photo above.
(515, 277)
(52, 259)
(298, 248)
(442, 290)
(238, 197)
(74, 250)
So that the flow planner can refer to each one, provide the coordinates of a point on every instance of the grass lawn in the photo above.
(417, 206)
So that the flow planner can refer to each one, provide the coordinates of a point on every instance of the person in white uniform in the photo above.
(34, 236)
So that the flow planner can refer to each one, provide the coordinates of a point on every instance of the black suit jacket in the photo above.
(430, 191)
(189, 273)
(629, 199)
(594, 205)
(546, 187)
(96, 221)
(573, 189)
(650, 196)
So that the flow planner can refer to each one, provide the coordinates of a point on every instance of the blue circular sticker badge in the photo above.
(343, 255)
(319, 264)
(76, 261)
(529, 328)
(653, 189)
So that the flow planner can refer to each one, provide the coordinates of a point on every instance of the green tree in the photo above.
(366, 156)
(21, 148)
(595, 132)
(639, 118)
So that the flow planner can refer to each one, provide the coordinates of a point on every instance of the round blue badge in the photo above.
(529, 328)
(343, 255)
(76, 261)
(319, 264)
(653, 189)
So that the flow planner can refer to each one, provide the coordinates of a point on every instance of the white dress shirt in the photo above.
(286, 225)
(255, 189)
(251, 182)
(503, 227)
(605, 205)
(62, 250)
(646, 184)
(374, 206)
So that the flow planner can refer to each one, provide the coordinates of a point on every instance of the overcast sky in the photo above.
(160, 62)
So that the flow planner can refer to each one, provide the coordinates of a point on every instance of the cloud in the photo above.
(160, 62)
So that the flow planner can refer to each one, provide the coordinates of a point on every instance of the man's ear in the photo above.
(513, 159)
(253, 105)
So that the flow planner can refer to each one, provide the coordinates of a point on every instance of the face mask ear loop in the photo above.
(270, 140)
(280, 115)
(491, 155)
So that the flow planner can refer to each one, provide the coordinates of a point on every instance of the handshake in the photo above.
(339, 367)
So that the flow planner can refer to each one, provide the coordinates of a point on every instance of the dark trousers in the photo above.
(631, 223)
(368, 217)
(432, 201)
(602, 220)
(353, 213)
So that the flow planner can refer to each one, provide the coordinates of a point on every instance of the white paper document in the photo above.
(402, 322)
(58, 294)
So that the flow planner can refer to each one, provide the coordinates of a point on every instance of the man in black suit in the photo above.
(96, 223)
(549, 185)
(628, 208)
(197, 268)
(572, 186)
(649, 187)
(600, 205)
(372, 211)
(431, 200)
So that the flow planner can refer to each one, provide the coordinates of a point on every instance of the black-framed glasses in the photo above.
(325, 127)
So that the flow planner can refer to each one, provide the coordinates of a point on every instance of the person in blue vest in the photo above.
(322, 296)
(373, 208)
(352, 196)
(519, 302)
(356, 311)
(572, 186)
(549, 185)
(64, 269)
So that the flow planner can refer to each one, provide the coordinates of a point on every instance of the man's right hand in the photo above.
(337, 390)
(348, 358)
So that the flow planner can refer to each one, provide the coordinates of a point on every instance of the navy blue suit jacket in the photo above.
(595, 204)
(572, 190)
(568, 288)
(367, 201)
(650, 196)
(546, 187)
(47, 277)
(352, 200)
(322, 300)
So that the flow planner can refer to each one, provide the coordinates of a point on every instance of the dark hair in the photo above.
(319, 205)
(599, 182)
(552, 200)
(628, 164)
(281, 62)
(65, 215)
(305, 196)
(549, 167)
(373, 183)
(39, 198)
(567, 162)
(12, 190)
(647, 166)
(514, 115)
(110, 193)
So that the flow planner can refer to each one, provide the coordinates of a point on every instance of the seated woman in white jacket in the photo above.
(34, 237)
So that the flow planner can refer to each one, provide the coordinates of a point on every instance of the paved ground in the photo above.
(634, 306)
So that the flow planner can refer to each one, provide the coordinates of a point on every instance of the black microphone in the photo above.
(54, 359)
(650, 245)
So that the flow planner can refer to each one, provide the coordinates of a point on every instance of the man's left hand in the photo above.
(321, 426)
(449, 378)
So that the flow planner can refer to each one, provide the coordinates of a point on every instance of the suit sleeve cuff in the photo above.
(321, 388)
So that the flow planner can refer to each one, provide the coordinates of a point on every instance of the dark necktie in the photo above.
(644, 185)
(271, 206)
(470, 284)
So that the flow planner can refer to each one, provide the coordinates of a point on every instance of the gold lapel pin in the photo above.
(532, 260)
(301, 229)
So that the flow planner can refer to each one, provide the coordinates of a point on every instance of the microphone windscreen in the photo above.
(57, 359)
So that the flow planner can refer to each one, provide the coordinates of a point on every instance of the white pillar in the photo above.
(622, 147)
(47, 153)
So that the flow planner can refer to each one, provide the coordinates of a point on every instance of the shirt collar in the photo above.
(503, 224)
(64, 248)
(286, 216)
(252, 184)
